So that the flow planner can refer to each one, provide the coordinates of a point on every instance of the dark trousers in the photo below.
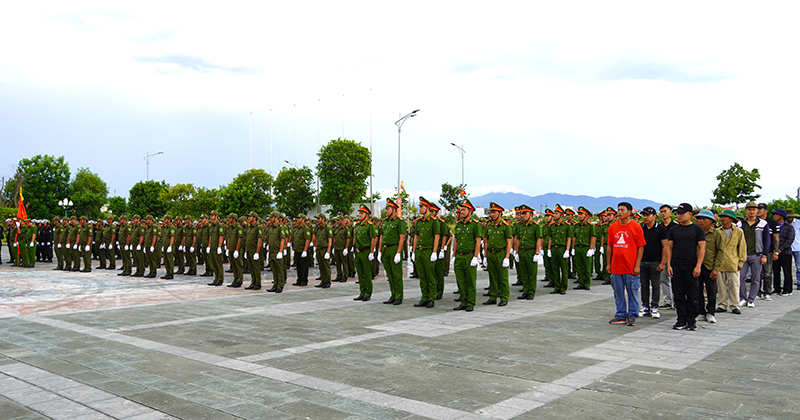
(684, 293)
(302, 267)
(783, 263)
(707, 304)
(651, 282)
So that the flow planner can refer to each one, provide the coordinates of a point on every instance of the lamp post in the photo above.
(399, 124)
(290, 163)
(147, 159)
(65, 204)
(461, 149)
(251, 140)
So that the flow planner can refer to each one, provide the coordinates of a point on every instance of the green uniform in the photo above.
(150, 235)
(351, 256)
(439, 267)
(341, 235)
(137, 242)
(215, 231)
(583, 235)
(599, 256)
(528, 235)
(177, 254)
(391, 230)
(254, 255)
(28, 250)
(191, 243)
(276, 235)
(497, 235)
(85, 240)
(235, 234)
(108, 247)
(301, 236)
(364, 233)
(468, 233)
(72, 240)
(321, 236)
(559, 234)
(125, 248)
(202, 245)
(57, 246)
(427, 230)
(168, 245)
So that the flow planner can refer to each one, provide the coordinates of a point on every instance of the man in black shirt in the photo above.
(653, 262)
(766, 271)
(685, 250)
(666, 282)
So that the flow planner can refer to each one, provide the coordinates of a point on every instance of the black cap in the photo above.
(762, 206)
(684, 208)
(648, 210)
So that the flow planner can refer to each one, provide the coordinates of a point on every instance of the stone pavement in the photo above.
(85, 346)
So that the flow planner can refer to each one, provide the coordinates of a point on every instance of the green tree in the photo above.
(249, 191)
(89, 193)
(294, 190)
(343, 168)
(451, 197)
(117, 206)
(44, 180)
(736, 185)
(787, 203)
(145, 198)
(179, 199)
(203, 201)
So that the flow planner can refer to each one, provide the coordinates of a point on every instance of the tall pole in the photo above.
(251, 140)
(343, 115)
(318, 104)
(461, 149)
(147, 158)
(294, 133)
(270, 141)
(399, 124)
(371, 201)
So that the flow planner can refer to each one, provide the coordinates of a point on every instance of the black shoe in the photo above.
(102, 267)
(490, 302)
(486, 288)
(391, 300)
(581, 288)
(530, 296)
(206, 275)
(456, 292)
(555, 292)
(89, 270)
(679, 326)
(319, 285)
(692, 327)
(607, 282)
(438, 297)
(272, 289)
(470, 308)
(550, 284)
(137, 275)
(53, 269)
(234, 285)
(458, 299)
(167, 277)
(360, 297)
(430, 304)
(518, 283)
(326, 286)
(736, 311)
(421, 303)
(366, 298)
(150, 276)
(413, 276)
(563, 292)
(250, 287)
(459, 308)
(229, 271)
(297, 283)
(398, 301)
(502, 303)
(486, 294)
(718, 310)
(523, 296)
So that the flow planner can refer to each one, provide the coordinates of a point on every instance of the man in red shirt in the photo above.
(625, 248)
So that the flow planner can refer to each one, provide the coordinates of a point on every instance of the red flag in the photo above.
(462, 192)
(401, 186)
(21, 214)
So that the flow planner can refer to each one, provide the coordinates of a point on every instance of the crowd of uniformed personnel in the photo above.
(568, 246)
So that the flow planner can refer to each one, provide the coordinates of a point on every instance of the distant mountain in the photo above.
(549, 200)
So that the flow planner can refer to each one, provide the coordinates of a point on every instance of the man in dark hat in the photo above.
(85, 244)
(393, 234)
(559, 243)
(686, 249)
(497, 238)
(216, 237)
(189, 244)
(466, 248)
(301, 240)
(426, 245)
(444, 237)
(583, 244)
(323, 243)
(782, 258)
(528, 246)
(365, 237)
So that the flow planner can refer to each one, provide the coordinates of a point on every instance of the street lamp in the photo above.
(147, 159)
(399, 124)
(461, 149)
(290, 163)
(65, 204)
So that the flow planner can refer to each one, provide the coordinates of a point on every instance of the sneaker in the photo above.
(617, 320)
(711, 319)
(751, 305)
(654, 313)
(742, 302)
(692, 327)
(679, 326)
(787, 294)
(631, 321)
(646, 311)
(768, 297)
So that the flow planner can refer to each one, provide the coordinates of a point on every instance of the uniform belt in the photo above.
(495, 251)
(526, 249)
(388, 245)
(362, 249)
(581, 246)
(558, 246)
(464, 252)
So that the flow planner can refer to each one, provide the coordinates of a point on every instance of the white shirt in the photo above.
(796, 243)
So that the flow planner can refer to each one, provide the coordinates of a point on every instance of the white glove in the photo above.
(219, 250)
(16, 244)
(380, 255)
(180, 247)
(344, 252)
(101, 246)
(48, 243)
(152, 249)
(505, 262)
(441, 254)
(266, 248)
(191, 249)
(412, 257)
(602, 250)
(138, 247)
(59, 245)
(235, 254)
(590, 253)
(31, 245)
(289, 245)
(516, 257)
(87, 248)
(279, 256)
(433, 257)
(473, 262)
(566, 254)
(285, 252)
(169, 249)
(125, 248)
(17, 224)
(371, 256)
(573, 252)
(485, 262)
(255, 256)
(73, 247)
(513, 251)
(352, 249)
(304, 254)
(397, 258)
(537, 258)
(452, 261)
(549, 254)
(327, 256)
(208, 250)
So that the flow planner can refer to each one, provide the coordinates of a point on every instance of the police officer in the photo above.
(177, 249)
(84, 241)
(137, 243)
(393, 235)
(253, 242)
(125, 245)
(150, 238)
(559, 243)
(216, 237)
(301, 240)
(108, 241)
(528, 251)
(444, 239)
(235, 239)
(426, 246)
(167, 243)
(276, 243)
(323, 242)
(466, 247)
(202, 241)
(189, 246)
(341, 246)
(365, 238)
(497, 242)
(584, 241)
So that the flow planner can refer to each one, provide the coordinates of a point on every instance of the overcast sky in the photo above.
(642, 99)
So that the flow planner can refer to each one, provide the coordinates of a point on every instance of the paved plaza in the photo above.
(98, 346)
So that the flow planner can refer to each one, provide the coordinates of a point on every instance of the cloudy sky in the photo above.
(642, 99)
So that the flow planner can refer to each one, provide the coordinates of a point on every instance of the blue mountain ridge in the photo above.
(540, 202)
